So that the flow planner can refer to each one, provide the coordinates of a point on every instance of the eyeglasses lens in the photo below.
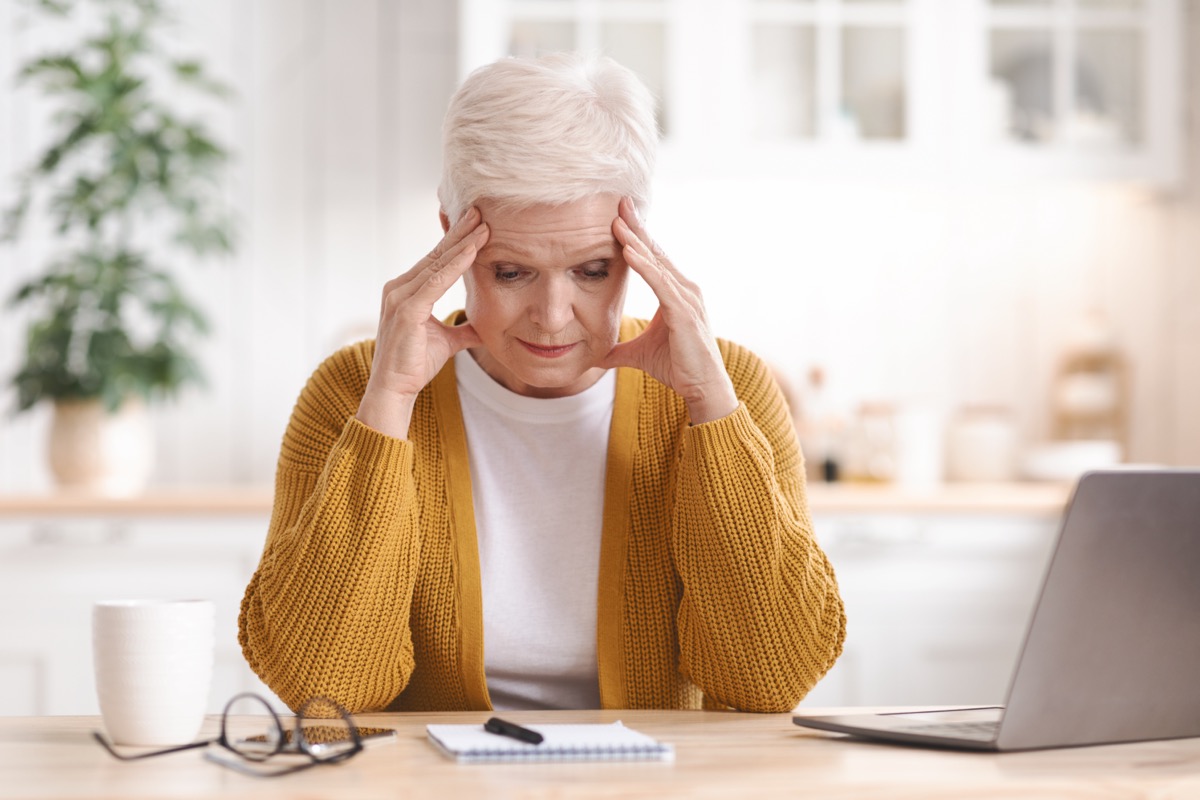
(328, 730)
(254, 745)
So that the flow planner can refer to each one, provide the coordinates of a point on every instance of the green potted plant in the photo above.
(128, 184)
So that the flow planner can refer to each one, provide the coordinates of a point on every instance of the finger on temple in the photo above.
(437, 279)
(450, 259)
(627, 209)
(460, 230)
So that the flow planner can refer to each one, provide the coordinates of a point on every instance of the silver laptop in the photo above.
(1112, 653)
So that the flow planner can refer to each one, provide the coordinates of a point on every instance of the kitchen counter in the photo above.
(206, 501)
(939, 582)
(1025, 499)
(1035, 499)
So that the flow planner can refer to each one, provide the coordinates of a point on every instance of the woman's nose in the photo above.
(553, 306)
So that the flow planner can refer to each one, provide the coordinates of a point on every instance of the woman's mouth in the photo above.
(548, 351)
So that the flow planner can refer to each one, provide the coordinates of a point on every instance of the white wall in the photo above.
(336, 135)
(943, 294)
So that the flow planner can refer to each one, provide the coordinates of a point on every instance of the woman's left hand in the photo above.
(677, 348)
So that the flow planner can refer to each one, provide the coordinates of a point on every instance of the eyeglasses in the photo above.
(334, 740)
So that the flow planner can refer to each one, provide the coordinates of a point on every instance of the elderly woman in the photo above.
(541, 503)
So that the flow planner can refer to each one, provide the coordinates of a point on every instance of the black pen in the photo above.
(501, 728)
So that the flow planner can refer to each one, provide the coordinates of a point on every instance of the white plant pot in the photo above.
(93, 450)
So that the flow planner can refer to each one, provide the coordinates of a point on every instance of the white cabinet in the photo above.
(938, 586)
(53, 568)
(1074, 89)
(936, 604)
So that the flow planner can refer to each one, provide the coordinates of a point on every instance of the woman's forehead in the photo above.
(580, 228)
(523, 248)
(593, 211)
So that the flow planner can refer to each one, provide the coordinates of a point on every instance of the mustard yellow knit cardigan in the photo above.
(712, 587)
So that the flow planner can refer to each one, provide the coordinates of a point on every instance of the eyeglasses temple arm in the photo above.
(99, 737)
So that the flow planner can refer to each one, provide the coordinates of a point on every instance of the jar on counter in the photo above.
(981, 445)
(822, 431)
(871, 449)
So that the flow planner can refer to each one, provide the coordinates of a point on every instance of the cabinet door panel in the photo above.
(936, 606)
(50, 576)
(22, 676)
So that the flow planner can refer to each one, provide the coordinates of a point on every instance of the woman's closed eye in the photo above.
(593, 271)
(506, 273)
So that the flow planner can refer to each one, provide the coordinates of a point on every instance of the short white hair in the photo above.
(548, 130)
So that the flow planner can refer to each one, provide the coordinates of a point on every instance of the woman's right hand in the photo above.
(412, 346)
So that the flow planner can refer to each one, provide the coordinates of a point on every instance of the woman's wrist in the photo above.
(713, 404)
(386, 412)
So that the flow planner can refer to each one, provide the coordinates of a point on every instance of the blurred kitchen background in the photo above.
(966, 233)
(916, 197)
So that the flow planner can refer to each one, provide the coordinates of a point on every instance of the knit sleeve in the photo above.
(760, 620)
(327, 611)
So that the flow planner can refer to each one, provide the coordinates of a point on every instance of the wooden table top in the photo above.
(718, 755)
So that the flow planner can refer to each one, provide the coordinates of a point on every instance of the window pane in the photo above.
(1022, 64)
(641, 46)
(537, 37)
(784, 81)
(1108, 88)
(873, 84)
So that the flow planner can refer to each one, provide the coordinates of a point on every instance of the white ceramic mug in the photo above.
(153, 661)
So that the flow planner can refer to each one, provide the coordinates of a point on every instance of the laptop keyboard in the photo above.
(984, 731)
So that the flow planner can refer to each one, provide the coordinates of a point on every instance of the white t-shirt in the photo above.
(537, 478)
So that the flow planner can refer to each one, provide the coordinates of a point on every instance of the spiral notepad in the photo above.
(594, 742)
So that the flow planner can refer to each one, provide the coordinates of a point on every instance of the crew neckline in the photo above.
(484, 388)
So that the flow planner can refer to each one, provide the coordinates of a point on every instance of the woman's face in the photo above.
(545, 294)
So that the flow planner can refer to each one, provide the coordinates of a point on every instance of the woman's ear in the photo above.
(444, 220)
